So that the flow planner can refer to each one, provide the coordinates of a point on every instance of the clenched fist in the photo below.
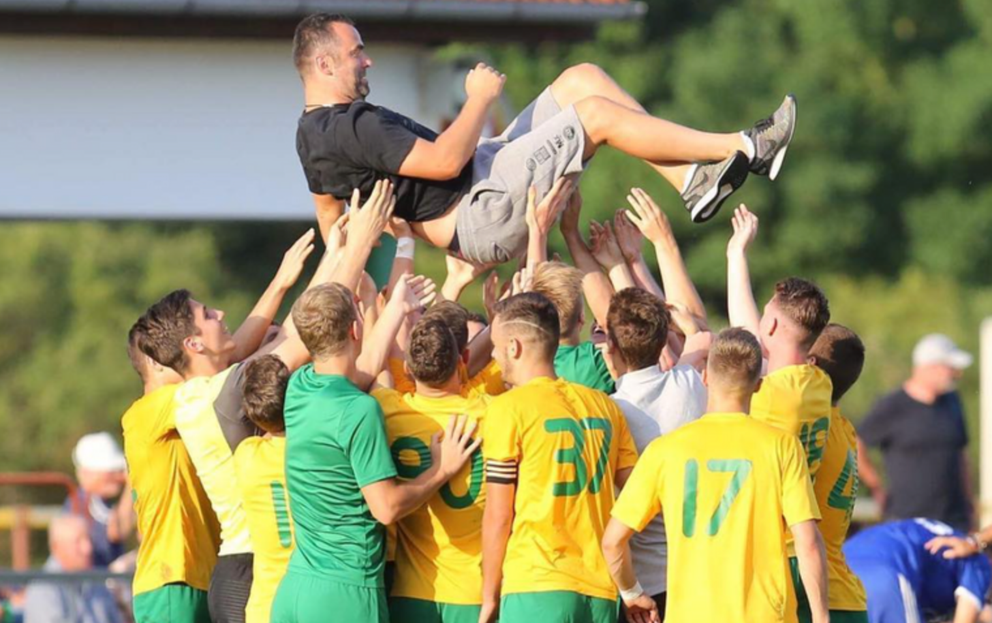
(484, 82)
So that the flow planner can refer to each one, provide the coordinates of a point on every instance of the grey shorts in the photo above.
(542, 144)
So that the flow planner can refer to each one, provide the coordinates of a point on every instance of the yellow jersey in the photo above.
(728, 486)
(836, 487)
(438, 546)
(213, 456)
(489, 381)
(566, 443)
(179, 532)
(260, 463)
(797, 400)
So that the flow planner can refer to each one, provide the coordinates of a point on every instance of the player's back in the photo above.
(180, 533)
(797, 400)
(439, 545)
(725, 483)
(836, 487)
(261, 475)
(567, 443)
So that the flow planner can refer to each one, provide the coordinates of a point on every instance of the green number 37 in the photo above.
(741, 469)
(575, 456)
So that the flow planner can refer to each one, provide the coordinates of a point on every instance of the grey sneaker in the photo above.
(771, 138)
(711, 184)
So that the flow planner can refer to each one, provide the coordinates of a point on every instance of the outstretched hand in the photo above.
(542, 216)
(604, 245)
(570, 218)
(414, 293)
(367, 224)
(953, 546)
(629, 237)
(648, 217)
(293, 261)
(745, 229)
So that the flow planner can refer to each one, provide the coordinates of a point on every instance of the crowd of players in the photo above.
(384, 454)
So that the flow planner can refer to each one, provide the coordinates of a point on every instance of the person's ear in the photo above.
(193, 344)
(706, 377)
(353, 331)
(773, 327)
(757, 386)
(322, 63)
(514, 348)
(811, 360)
(465, 356)
(406, 370)
(582, 315)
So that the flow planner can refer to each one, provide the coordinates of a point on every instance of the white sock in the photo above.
(748, 146)
(688, 178)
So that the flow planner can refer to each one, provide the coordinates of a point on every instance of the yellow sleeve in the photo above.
(389, 401)
(798, 498)
(627, 454)
(640, 500)
(501, 434)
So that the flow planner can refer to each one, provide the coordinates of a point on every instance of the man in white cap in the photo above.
(101, 473)
(921, 431)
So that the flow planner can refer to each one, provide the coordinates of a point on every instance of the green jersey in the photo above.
(584, 365)
(335, 445)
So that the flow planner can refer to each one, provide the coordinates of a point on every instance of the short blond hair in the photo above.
(323, 316)
(562, 285)
(735, 361)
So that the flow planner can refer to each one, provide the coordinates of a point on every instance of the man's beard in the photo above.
(363, 87)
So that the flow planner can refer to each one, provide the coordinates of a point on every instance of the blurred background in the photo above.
(147, 146)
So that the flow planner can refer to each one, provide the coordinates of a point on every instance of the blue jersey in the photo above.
(892, 558)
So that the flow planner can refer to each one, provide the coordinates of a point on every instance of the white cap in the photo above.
(98, 452)
(937, 348)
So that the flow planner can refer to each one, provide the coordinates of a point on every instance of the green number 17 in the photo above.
(741, 468)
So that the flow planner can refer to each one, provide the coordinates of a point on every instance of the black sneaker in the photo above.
(711, 184)
(771, 138)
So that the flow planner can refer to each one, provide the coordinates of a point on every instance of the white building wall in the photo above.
(167, 128)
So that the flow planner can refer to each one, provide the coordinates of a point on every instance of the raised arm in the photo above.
(365, 226)
(595, 285)
(631, 240)
(329, 209)
(653, 223)
(249, 335)
(541, 217)
(445, 158)
(410, 295)
(607, 253)
(741, 306)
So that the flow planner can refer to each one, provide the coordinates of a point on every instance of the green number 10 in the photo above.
(741, 468)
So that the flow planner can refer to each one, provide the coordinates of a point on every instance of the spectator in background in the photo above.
(83, 602)
(921, 431)
(101, 473)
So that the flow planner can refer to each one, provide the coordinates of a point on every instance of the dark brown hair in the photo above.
(160, 332)
(841, 354)
(637, 326)
(264, 392)
(313, 33)
(323, 316)
(455, 316)
(805, 304)
(433, 353)
(533, 318)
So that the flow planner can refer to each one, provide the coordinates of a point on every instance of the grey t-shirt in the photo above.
(656, 403)
(229, 406)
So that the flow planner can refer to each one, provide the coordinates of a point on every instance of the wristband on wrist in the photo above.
(405, 247)
(632, 593)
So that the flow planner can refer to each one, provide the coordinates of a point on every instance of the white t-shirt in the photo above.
(656, 403)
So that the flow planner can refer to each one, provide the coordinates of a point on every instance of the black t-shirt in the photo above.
(921, 447)
(350, 146)
(230, 409)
